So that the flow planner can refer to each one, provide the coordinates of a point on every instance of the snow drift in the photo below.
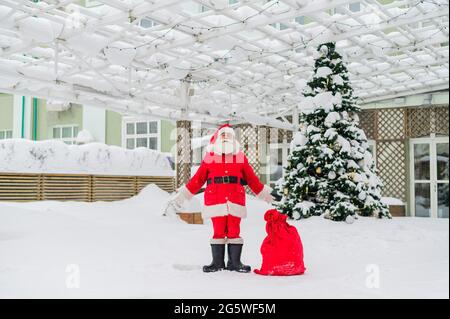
(128, 250)
(24, 156)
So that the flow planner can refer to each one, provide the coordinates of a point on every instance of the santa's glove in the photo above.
(266, 195)
(182, 195)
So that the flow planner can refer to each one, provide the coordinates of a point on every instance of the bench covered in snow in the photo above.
(396, 207)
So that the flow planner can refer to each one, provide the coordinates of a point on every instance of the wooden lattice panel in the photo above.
(249, 144)
(273, 135)
(391, 124)
(392, 168)
(249, 137)
(184, 153)
(441, 120)
(19, 187)
(289, 136)
(66, 187)
(419, 121)
(262, 135)
(368, 123)
(282, 135)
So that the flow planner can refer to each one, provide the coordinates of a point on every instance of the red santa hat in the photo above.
(225, 128)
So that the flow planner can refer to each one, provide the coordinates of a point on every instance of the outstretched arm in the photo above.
(196, 182)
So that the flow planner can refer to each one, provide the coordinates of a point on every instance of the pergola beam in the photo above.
(255, 73)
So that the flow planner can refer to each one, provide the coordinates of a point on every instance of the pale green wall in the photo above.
(113, 128)
(6, 111)
(73, 116)
(441, 98)
(166, 142)
(87, 3)
(385, 1)
(42, 131)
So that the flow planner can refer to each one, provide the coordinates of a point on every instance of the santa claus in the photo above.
(225, 170)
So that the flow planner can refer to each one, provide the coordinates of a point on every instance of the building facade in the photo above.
(30, 118)
(410, 137)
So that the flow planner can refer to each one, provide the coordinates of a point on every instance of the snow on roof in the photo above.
(166, 58)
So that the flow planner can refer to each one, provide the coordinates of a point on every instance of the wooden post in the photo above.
(91, 189)
(184, 153)
(295, 119)
(40, 192)
(248, 136)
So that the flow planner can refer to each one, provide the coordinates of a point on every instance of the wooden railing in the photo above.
(71, 187)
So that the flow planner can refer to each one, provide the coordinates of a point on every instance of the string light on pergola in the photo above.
(257, 52)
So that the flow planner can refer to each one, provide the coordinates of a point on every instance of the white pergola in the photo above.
(217, 60)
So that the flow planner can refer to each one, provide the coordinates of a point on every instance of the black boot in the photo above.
(234, 259)
(218, 254)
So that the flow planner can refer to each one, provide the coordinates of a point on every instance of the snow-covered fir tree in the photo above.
(330, 169)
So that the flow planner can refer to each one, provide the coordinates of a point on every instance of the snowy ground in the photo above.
(127, 250)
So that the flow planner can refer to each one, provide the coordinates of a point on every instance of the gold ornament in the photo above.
(318, 170)
(337, 146)
(286, 191)
(352, 176)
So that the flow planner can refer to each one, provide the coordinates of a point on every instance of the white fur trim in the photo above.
(228, 208)
(185, 192)
(218, 241)
(264, 194)
(238, 241)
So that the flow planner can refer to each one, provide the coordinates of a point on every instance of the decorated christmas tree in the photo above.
(330, 169)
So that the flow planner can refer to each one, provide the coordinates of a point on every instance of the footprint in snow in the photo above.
(187, 267)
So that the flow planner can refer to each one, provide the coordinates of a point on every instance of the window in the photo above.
(142, 134)
(300, 20)
(278, 160)
(6, 134)
(204, 8)
(147, 23)
(279, 26)
(355, 7)
(66, 133)
(92, 3)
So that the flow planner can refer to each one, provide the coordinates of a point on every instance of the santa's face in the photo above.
(226, 144)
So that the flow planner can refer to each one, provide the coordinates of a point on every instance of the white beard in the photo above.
(226, 147)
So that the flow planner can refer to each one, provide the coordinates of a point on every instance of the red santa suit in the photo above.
(225, 175)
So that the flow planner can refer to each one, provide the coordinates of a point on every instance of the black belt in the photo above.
(226, 180)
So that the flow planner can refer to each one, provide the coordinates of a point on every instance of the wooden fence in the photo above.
(70, 187)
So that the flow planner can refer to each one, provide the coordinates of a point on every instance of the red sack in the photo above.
(282, 249)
